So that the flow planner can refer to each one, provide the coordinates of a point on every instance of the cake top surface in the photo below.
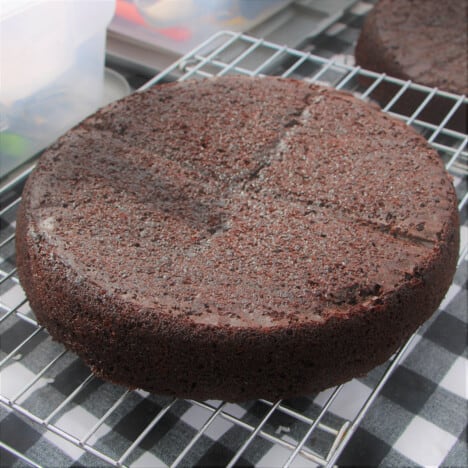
(243, 202)
(427, 39)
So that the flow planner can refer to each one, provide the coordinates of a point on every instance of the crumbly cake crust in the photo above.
(236, 238)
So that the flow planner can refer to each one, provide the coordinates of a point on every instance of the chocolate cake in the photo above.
(235, 238)
(420, 40)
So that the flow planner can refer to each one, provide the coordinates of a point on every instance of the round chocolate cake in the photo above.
(235, 238)
(420, 40)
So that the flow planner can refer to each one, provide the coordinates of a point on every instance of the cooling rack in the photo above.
(97, 423)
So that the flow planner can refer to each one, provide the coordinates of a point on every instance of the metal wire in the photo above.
(18, 455)
(6, 277)
(145, 432)
(312, 427)
(222, 54)
(257, 429)
(197, 436)
(14, 309)
(305, 452)
(365, 407)
(7, 240)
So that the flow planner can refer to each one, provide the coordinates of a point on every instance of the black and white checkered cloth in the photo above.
(418, 419)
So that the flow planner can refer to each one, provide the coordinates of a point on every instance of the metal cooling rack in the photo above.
(319, 436)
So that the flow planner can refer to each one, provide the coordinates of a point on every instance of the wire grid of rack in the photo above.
(318, 437)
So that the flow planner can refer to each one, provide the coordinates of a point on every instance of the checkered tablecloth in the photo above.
(419, 418)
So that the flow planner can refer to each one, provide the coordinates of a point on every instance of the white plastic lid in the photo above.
(10, 8)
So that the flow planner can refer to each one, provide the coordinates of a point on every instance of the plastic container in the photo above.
(51, 71)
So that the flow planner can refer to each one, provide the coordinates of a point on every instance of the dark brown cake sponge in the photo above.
(420, 40)
(236, 238)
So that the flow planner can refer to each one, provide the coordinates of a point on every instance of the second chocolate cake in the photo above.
(236, 238)
(424, 41)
